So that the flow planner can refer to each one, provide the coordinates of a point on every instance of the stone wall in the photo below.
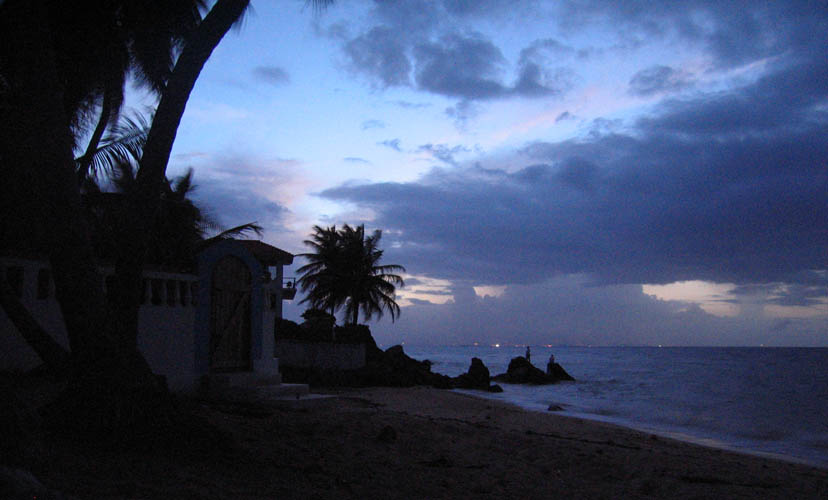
(320, 355)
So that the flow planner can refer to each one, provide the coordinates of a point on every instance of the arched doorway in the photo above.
(230, 316)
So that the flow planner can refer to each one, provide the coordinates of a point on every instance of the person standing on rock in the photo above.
(528, 354)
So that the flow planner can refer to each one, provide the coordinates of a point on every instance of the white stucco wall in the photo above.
(166, 322)
(165, 330)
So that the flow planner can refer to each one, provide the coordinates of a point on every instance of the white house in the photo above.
(213, 329)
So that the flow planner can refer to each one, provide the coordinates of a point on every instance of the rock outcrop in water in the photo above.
(476, 378)
(521, 371)
(394, 368)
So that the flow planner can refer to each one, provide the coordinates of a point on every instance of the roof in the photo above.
(267, 254)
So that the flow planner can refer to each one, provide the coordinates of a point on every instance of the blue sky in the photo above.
(589, 173)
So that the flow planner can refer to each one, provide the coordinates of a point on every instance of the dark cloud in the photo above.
(420, 302)
(727, 187)
(354, 159)
(787, 294)
(460, 66)
(381, 54)
(577, 172)
(273, 75)
(734, 33)
(782, 102)
(244, 199)
(658, 79)
(432, 42)
(799, 295)
(412, 105)
(462, 112)
(369, 124)
(566, 115)
(454, 64)
(443, 152)
(232, 204)
(536, 76)
(471, 68)
(391, 143)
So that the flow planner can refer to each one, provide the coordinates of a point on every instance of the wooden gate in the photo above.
(230, 316)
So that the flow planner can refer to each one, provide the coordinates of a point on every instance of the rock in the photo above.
(495, 388)
(476, 378)
(554, 407)
(556, 371)
(389, 368)
(521, 371)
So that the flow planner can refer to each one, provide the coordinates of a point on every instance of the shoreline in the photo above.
(417, 442)
(709, 442)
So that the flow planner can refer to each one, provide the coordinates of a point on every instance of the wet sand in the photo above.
(421, 443)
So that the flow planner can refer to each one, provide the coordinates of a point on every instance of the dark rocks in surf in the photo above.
(521, 371)
(557, 372)
(476, 378)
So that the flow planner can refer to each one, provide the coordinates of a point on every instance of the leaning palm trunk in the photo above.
(153, 164)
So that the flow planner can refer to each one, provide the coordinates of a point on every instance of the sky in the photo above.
(564, 173)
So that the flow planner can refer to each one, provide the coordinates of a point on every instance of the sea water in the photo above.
(770, 401)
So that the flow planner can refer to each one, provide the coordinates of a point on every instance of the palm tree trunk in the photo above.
(156, 154)
(40, 146)
(109, 383)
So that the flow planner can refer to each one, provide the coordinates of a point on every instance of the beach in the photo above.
(417, 443)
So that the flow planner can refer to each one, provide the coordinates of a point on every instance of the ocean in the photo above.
(768, 401)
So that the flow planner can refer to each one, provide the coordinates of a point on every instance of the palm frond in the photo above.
(122, 145)
(243, 230)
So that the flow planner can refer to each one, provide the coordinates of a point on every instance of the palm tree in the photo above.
(344, 270)
(41, 105)
(321, 278)
(181, 228)
(46, 95)
(370, 286)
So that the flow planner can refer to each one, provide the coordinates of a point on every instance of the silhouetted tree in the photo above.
(370, 287)
(180, 230)
(344, 270)
(42, 106)
(321, 278)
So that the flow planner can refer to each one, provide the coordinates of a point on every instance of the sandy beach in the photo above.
(418, 443)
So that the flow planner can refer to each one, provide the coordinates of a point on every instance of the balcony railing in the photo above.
(288, 288)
